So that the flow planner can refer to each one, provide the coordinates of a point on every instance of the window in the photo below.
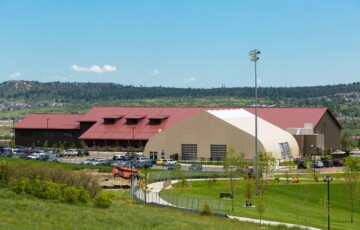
(285, 150)
(189, 151)
(153, 155)
(218, 152)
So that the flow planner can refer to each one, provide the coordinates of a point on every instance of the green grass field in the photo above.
(284, 202)
(25, 212)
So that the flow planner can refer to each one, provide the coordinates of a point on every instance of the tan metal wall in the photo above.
(203, 130)
(331, 131)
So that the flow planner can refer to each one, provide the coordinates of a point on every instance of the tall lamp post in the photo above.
(328, 179)
(47, 131)
(254, 57)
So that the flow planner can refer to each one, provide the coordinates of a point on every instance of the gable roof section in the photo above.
(280, 117)
(291, 117)
(49, 121)
(140, 131)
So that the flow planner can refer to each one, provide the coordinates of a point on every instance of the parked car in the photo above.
(301, 164)
(19, 155)
(127, 164)
(143, 164)
(159, 161)
(196, 167)
(338, 162)
(317, 164)
(71, 152)
(43, 157)
(88, 160)
(33, 156)
(167, 162)
(174, 166)
(327, 162)
(99, 162)
(117, 157)
(82, 152)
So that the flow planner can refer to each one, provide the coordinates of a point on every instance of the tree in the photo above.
(352, 176)
(266, 166)
(144, 184)
(346, 141)
(232, 166)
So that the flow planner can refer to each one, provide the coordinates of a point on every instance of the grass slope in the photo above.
(26, 212)
(284, 202)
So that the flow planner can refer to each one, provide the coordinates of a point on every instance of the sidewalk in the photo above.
(153, 197)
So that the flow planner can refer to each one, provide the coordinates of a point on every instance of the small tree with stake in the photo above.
(352, 176)
(232, 164)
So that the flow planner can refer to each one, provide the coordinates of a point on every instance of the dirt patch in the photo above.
(107, 181)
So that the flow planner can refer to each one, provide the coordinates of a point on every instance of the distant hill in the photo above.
(59, 91)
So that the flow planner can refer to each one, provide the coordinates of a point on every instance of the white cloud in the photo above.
(155, 72)
(191, 79)
(94, 68)
(109, 68)
(15, 75)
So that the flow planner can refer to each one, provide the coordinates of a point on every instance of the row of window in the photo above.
(217, 152)
(46, 134)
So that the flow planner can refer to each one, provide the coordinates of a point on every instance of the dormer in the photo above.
(112, 119)
(134, 119)
(157, 120)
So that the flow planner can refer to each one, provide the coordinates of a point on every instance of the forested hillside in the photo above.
(36, 91)
(18, 98)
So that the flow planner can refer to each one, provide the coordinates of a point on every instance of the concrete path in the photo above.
(270, 222)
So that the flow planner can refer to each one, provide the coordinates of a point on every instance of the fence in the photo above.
(187, 203)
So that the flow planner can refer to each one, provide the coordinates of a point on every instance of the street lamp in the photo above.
(328, 179)
(254, 57)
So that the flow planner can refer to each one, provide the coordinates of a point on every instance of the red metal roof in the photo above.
(140, 131)
(144, 130)
(50, 121)
(290, 117)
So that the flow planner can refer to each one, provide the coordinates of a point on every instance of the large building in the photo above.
(186, 132)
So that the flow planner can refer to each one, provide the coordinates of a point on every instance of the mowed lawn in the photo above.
(303, 203)
(26, 212)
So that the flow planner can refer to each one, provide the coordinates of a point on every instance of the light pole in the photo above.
(47, 131)
(254, 57)
(328, 179)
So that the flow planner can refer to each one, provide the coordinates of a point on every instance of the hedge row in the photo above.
(53, 183)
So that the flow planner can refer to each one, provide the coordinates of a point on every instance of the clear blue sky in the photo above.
(181, 43)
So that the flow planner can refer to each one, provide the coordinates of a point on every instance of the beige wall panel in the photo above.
(203, 130)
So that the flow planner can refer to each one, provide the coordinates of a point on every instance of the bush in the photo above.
(206, 210)
(84, 196)
(19, 185)
(71, 195)
(102, 200)
(52, 191)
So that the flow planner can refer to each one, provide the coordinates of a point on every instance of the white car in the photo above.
(98, 161)
(33, 156)
(167, 162)
(317, 164)
(71, 152)
(88, 160)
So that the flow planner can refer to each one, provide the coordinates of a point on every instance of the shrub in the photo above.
(4, 173)
(84, 196)
(70, 195)
(19, 185)
(102, 200)
(206, 210)
(52, 191)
